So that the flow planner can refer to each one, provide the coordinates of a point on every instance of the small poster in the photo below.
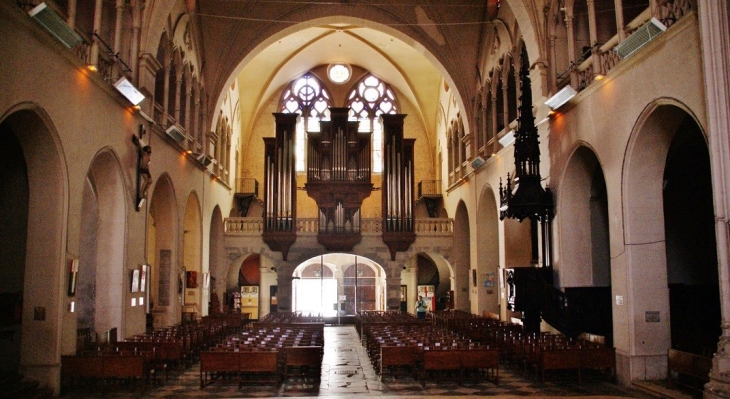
(135, 281)
(143, 278)
(426, 291)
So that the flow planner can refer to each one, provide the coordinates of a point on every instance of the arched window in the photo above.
(307, 97)
(371, 98)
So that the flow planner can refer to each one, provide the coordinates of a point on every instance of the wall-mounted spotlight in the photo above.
(561, 97)
(128, 90)
(273, 269)
(55, 25)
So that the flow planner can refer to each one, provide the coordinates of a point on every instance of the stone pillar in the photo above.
(284, 272)
(715, 40)
(571, 45)
(393, 271)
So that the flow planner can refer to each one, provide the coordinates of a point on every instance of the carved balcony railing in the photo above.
(244, 226)
(604, 58)
(310, 226)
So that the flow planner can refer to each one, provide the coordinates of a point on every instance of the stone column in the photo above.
(571, 45)
(284, 272)
(392, 290)
(715, 40)
(619, 8)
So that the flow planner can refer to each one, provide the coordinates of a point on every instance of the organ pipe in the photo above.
(338, 177)
(398, 185)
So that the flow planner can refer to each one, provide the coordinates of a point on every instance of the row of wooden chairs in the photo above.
(143, 357)
(535, 353)
(265, 353)
(538, 353)
(428, 351)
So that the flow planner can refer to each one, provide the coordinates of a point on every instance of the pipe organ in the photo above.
(280, 185)
(398, 222)
(338, 178)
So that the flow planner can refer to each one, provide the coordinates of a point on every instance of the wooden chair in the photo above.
(560, 359)
(440, 362)
(396, 358)
(599, 358)
(480, 361)
(217, 364)
(304, 361)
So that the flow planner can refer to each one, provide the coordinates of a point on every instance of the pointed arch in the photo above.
(43, 167)
(102, 272)
(162, 253)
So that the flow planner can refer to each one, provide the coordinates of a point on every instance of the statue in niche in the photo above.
(144, 177)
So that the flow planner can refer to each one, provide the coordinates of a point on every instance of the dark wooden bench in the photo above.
(169, 354)
(440, 361)
(215, 365)
(102, 367)
(304, 361)
(250, 366)
(478, 361)
(600, 358)
(696, 367)
(394, 358)
(560, 359)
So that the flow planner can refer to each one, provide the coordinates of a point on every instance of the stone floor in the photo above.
(347, 372)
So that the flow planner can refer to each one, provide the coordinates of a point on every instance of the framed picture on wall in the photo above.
(143, 270)
(192, 280)
(73, 271)
(135, 280)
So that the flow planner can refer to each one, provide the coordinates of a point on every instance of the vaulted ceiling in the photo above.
(415, 45)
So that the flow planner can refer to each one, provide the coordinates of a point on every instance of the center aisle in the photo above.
(346, 368)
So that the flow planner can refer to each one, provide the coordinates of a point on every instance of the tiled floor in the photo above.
(347, 372)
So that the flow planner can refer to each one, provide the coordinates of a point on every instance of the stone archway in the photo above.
(35, 178)
(584, 270)
(485, 289)
(192, 250)
(216, 263)
(101, 275)
(462, 259)
(340, 284)
(652, 221)
(165, 285)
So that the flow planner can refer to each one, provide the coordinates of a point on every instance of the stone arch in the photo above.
(645, 218)
(335, 281)
(411, 276)
(485, 289)
(585, 258)
(162, 253)
(40, 270)
(584, 270)
(411, 36)
(192, 240)
(216, 260)
(101, 275)
(462, 257)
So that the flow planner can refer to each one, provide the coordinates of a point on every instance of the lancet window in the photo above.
(307, 97)
(368, 100)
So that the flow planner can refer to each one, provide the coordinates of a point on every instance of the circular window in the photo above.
(339, 73)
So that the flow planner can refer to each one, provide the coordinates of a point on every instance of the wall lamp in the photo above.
(56, 26)
(561, 98)
(128, 90)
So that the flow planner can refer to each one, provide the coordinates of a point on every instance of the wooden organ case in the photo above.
(280, 185)
(398, 221)
(338, 178)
